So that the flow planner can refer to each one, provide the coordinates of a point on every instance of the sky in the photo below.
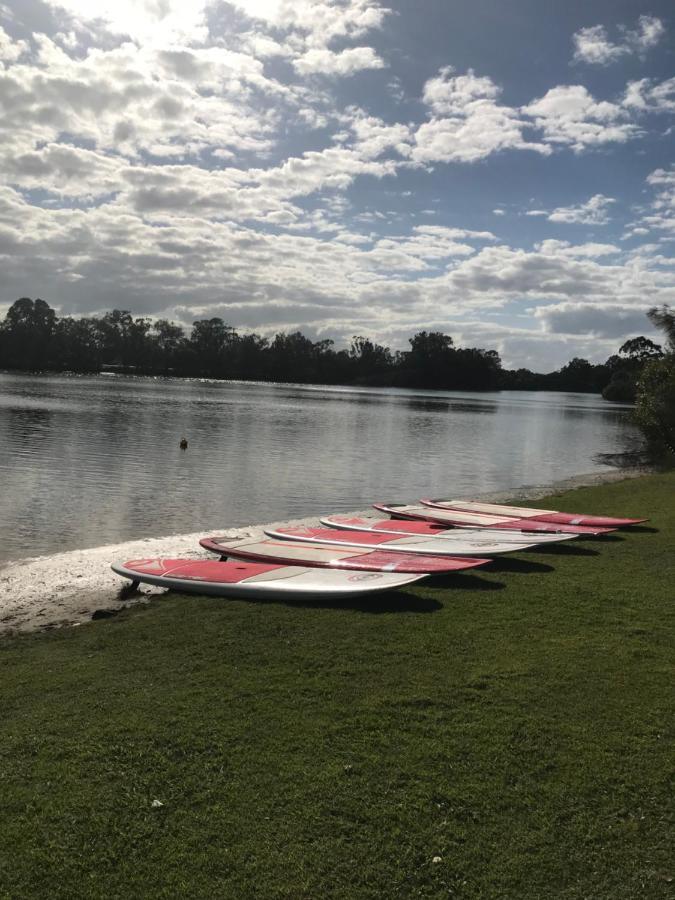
(501, 172)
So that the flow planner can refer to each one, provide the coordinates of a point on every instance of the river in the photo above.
(90, 460)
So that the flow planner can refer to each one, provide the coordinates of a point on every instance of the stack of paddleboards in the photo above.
(350, 555)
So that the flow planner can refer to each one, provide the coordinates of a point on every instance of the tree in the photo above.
(624, 368)
(296, 355)
(475, 369)
(621, 387)
(430, 358)
(125, 341)
(136, 352)
(664, 318)
(369, 359)
(655, 405)
(581, 375)
(76, 346)
(210, 341)
(655, 401)
(27, 334)
(26, 313)
(426, 346)
(640, 349)
(250, 350)
(113, 330)
(165, 343)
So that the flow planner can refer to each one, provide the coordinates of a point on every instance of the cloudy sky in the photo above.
(503, 172)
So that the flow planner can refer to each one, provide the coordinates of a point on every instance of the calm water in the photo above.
(87, 460)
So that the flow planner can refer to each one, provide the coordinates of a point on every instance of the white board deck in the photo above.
(459, 545)
(260, 582)
(494, 509)
(456, 519)
(406, 528)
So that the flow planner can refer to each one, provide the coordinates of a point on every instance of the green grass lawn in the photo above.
(503, 734)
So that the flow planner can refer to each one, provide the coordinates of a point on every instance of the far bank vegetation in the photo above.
(34, 338)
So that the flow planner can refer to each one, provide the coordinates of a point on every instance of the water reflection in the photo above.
(28, 426)
(90, 460)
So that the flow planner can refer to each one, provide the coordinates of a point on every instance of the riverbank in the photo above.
(67, 589)
(506, 734)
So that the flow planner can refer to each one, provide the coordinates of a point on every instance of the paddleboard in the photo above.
(432, 530)
(474, 520)
(308, 552)
(457, 545)
(259, 581)
(540, 515)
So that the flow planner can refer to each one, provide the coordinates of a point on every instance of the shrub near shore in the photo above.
(503, 734)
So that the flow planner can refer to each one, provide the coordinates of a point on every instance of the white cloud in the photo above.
(150, 21)
(322, 20)
(595, 211)
(263, 46)
(468, 124)
(10, 50)
(649, 32)
(321, 60)
(260, 194)
(310, 27)
(373, 136)
(611, 321)
(450, 95)
(65, 170)
(661, 177)
(592, 45)
(432, 244)
(590, 250)
(130, 99)
(569, 115)
(661, 215)
(650, 96)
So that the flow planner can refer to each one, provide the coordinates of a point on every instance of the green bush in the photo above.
(621, 388)
(655, 405)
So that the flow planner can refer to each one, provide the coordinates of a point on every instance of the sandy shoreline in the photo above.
(67, 589)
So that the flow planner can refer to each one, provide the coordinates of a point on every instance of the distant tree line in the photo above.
(34, 338)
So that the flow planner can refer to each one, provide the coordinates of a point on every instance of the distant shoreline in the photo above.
(65, 589)
(111, 371)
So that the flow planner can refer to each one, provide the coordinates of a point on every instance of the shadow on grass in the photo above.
(567, 549)
(641, 529)
(464, 582)
(515, 564)
(387, 602)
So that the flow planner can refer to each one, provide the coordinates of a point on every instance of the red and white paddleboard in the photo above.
(425, 531)
(260, 581)
(360, 556)
(540, 515)
(458, 544)
(474, 520)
